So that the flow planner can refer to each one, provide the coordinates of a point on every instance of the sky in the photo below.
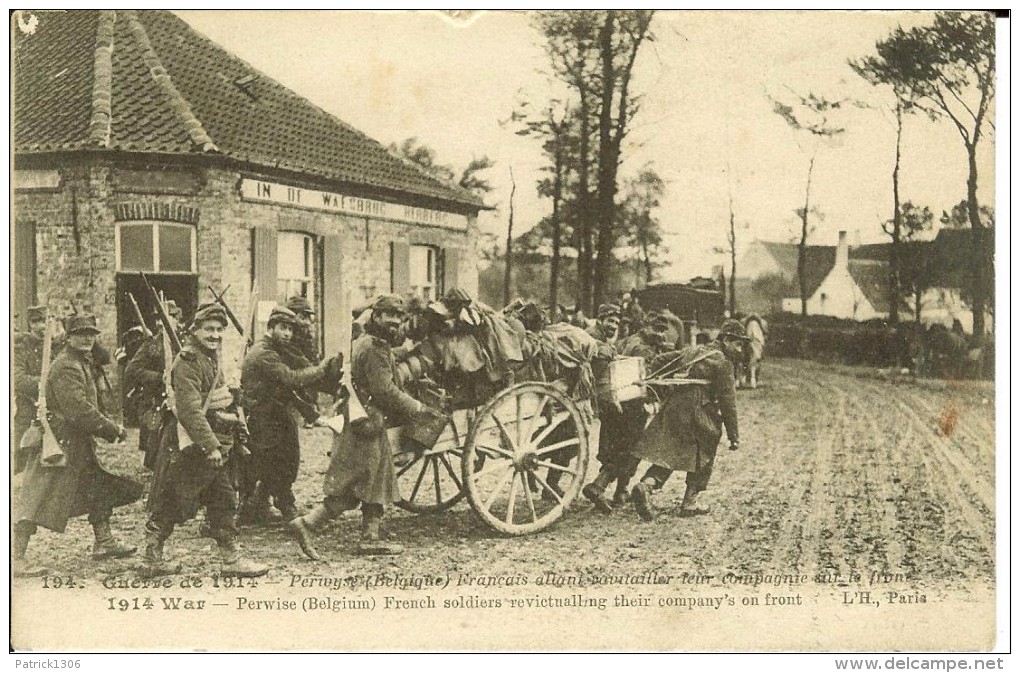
(706, 123)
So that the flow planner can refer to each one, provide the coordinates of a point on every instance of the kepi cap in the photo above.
(210, 311)
(82, 323)
(389, 302)
(609, 311)
(299, 304)
(281, 314)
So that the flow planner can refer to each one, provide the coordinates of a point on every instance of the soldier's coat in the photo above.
(361, 465)
(182, 474)
(685, 433)
(51, 495)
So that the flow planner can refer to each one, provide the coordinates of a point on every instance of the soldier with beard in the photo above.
(303, 340)
(271, 382)
(361, 469)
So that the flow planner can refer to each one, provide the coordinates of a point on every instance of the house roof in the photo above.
(144, 81)
(872, 277)
(818, 261)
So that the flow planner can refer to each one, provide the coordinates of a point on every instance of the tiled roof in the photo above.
(872, 277)
(164, 88)
(818, 261)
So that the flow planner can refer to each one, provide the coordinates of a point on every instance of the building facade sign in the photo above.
(261, 191)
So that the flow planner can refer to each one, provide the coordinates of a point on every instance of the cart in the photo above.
(520, 459)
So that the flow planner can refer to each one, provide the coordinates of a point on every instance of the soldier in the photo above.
(686, 431)
(361, 469)
(304, 330)
(195, 463)
(26, 368)
(620, 427)
(51, 495)
(607, 327)
(143, 379)
(271, 384)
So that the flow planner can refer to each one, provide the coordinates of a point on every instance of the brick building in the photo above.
(140, 145)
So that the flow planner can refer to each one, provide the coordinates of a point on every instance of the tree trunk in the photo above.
(979, 297)
(607, 162)
(733, 260)
(554, 267)
(583, 235)
(802, 246)
(894, 252)
(509, 242)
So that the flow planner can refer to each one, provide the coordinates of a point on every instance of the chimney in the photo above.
(842, 253)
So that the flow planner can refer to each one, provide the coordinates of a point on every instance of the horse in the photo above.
(749, 369)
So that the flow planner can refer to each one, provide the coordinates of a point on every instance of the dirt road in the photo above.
(838, 473)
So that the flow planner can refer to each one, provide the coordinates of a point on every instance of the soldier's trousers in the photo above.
(276, 451)
(189, 484)
(697, 481)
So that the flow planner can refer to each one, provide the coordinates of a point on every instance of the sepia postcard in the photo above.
(587, 330)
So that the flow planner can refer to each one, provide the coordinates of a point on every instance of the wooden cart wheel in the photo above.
(431, 482)
(525, 458)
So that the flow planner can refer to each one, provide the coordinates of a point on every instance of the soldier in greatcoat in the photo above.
(26, 368)
(361, 470)
(143, 379)
(273, 381)
(304, 328)
(620, 427)
(685, 433)
(195, 465)
(51, 495)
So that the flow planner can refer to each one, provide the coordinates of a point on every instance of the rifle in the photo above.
(242, 419)
(138, 316)
(52, 452)
(164, 317)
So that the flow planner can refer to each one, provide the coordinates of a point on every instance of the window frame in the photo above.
(310, 251)
(433, 263)
(154, 226)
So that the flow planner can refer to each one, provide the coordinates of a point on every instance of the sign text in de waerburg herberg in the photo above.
(287, 195)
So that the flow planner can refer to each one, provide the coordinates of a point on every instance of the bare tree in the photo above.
(509, 242)
(812, 116)
(948, 71)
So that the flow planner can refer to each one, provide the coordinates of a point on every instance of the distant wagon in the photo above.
(699, 304)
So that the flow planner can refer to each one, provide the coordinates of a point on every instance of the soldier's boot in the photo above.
(304, 528)
(371, 543)
(289, 511)
(595, 492)
(691, 506)
(235, 564)
(21, 566)
(156, 564)
(107, 546)
(256, 510)
(641, 496)
(622, 495)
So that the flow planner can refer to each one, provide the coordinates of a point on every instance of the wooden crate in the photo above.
(616, 381)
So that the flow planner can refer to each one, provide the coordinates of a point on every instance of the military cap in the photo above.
(609, 310)
(732, 329)
(82, 322)
(281, 314)
(37, 313)
(299, 304)
(210, 311)
(173, 310)
(656, 319)
(388, 302)
(439, 309)
(455, 294)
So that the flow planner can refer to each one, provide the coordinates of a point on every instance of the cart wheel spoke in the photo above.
(506, 435)
(512, 499)
(495, 492)
(452, 473)
(417, 484)
(556, 421)
(498, 450)
(573, 441)
(407, 467)
(527, 495)
(554, 466)
(436, 480)
(546, 488)
(533, 426)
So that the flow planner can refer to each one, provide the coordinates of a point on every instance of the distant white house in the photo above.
(855, 289)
